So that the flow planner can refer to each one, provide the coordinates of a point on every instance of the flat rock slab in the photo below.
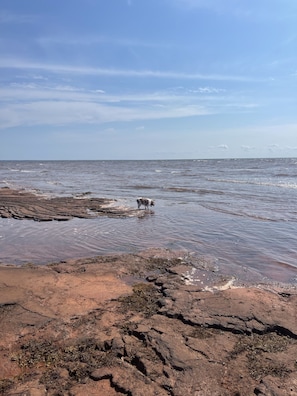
(25, 205)
(131, 325)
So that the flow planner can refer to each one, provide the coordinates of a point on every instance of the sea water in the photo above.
(236, 214)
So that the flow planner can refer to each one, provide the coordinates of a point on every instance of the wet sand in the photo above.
(138, 324)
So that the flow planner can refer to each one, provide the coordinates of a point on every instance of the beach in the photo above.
(141, 324)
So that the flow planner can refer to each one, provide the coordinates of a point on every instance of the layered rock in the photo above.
(25, 205)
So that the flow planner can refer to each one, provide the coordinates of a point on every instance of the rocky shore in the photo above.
(143, 325)
(132, 325)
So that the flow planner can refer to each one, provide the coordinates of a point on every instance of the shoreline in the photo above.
(134, 324)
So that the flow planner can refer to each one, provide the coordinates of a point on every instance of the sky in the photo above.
(147, 79)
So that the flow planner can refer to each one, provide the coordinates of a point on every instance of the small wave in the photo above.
(241, 214)
(256, 183)
(54, 183)
(23, 170)
(180, 189)
(142, 187)
(196, 191)
(158, 170)
(287, 185)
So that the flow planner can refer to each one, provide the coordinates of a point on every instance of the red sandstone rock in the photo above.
(72, 332)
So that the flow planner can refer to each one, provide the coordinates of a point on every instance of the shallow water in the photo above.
(240, 215)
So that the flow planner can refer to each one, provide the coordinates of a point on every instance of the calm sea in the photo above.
(236, 215)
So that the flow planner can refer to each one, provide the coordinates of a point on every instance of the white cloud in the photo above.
(207, 90)
(39, 77)
(220, 147)
(223, 147)
(273, 147)
(247, 148)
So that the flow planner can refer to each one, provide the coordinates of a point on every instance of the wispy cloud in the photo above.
(29, 91)
(100, 40)
(94, 40)
(243, 9)
(37, 102)
(31, 104)
(85, 70)
(62, 113)
(218, 6)
(6, 17)
(207, 90)
(39, 91)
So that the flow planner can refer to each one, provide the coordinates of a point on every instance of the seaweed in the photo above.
(144, 299)
(257, 348)
(5, 385)
(268, 342)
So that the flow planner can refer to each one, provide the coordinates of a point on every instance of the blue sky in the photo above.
(148, 79)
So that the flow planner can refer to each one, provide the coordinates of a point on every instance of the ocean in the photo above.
(236, 215)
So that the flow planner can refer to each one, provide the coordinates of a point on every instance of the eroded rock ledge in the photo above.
(25, 205)
(130, 325)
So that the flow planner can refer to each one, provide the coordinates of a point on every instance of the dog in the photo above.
(146, 202)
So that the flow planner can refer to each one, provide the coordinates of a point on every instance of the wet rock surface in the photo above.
(131, 325)
(25, 205)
